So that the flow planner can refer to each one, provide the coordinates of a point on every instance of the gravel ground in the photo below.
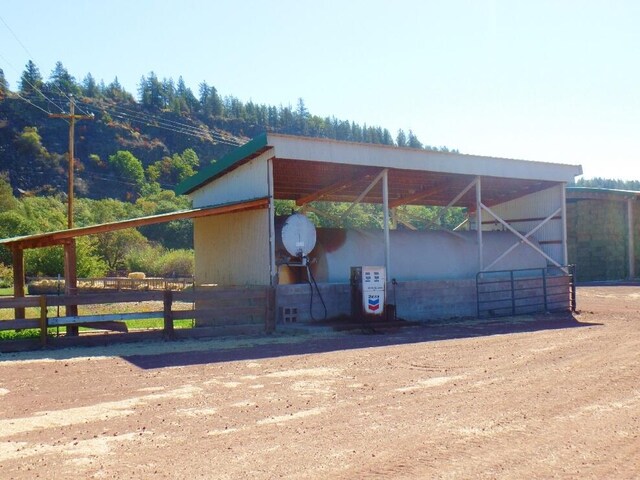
(526, 397)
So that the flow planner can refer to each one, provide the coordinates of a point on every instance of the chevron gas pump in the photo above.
(368, 288)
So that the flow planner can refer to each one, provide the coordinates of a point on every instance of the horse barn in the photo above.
(508, 256)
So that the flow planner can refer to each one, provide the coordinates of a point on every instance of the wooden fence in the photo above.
(49, 285)
(215, 309)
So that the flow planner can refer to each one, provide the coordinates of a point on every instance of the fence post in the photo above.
(544, 289)
(513, 294)
(572, 280)
(168, 332)
(43, 320)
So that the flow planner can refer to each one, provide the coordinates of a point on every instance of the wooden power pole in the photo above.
(72, 117)
(70, 267)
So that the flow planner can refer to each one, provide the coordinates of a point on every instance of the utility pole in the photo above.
(72, 117)
(70, 267)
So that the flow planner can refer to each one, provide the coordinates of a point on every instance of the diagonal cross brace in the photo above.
(523, 238)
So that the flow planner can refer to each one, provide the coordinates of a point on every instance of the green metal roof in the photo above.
(226, 163)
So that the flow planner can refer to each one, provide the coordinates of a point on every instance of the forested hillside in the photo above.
(139, 144)
(130, 152)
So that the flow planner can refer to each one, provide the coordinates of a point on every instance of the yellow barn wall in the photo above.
(232, 249)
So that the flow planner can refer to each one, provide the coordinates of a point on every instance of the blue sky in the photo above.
(555, 81)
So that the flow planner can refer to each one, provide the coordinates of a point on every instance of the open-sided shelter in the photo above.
(516, 220)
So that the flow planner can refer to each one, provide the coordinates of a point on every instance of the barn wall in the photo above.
(525, 213)
(232, 249)
(246, 182)
(598, 239)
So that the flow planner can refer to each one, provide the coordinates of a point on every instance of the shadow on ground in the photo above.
(365, 337)
(156, 353)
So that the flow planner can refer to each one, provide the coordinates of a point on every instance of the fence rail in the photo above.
(49, 285)
(218, 306)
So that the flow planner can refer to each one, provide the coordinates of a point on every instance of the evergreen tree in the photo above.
(90, 87)
(61, 82)
(401, 139)
(151, 92)
(413, 141)
(4, 85)
(31, 80)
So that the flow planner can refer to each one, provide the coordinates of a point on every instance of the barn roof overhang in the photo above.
(307, 169)
(64, 236)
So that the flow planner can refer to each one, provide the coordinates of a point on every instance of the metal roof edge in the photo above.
(576, 167)
(226, 163)
(603, 191)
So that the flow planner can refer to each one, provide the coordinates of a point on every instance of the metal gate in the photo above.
(519, 292)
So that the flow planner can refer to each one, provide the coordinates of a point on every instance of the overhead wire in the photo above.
(213, 132)
(31, 57)
(202, 131)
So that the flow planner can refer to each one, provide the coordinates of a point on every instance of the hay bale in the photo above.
(137, 275)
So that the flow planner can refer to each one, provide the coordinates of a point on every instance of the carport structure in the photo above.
(524, 198)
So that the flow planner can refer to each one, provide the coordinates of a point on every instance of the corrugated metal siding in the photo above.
(536, 206)
(244, 183)
(232, 249)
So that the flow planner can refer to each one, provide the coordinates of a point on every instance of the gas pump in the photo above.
(368, 291)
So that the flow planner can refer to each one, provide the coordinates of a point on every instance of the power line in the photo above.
(31, 57)
(165, 124)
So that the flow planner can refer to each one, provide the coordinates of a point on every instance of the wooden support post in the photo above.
(43, 320)
(18, 278)
(70, 283)
(168, 332)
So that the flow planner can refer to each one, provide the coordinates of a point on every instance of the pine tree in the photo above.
(401, 139)
(413, 141)
(61, 82)
(4, 85)
(90, 87)
(31, 80)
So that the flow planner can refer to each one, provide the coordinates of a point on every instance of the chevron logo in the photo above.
(373, 302)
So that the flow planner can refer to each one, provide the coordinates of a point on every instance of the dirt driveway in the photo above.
(547, 397)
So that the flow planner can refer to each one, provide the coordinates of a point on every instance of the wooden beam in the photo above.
(18, 278)
(333, 188)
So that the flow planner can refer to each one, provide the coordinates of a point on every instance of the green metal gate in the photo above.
(519, 292)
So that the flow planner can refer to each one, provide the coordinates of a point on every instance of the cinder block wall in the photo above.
(417, 300)
(597, 239)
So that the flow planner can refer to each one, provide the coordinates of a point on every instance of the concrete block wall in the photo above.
(431, 300)
(416, 300)
(597, 239)
(336, 296)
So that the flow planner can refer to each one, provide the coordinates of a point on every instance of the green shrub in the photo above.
(155, 261)
(6, 276)
(176, 263)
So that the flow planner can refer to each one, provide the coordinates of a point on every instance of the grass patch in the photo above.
(111, 308)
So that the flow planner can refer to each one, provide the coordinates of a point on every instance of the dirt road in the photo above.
(546, 397)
